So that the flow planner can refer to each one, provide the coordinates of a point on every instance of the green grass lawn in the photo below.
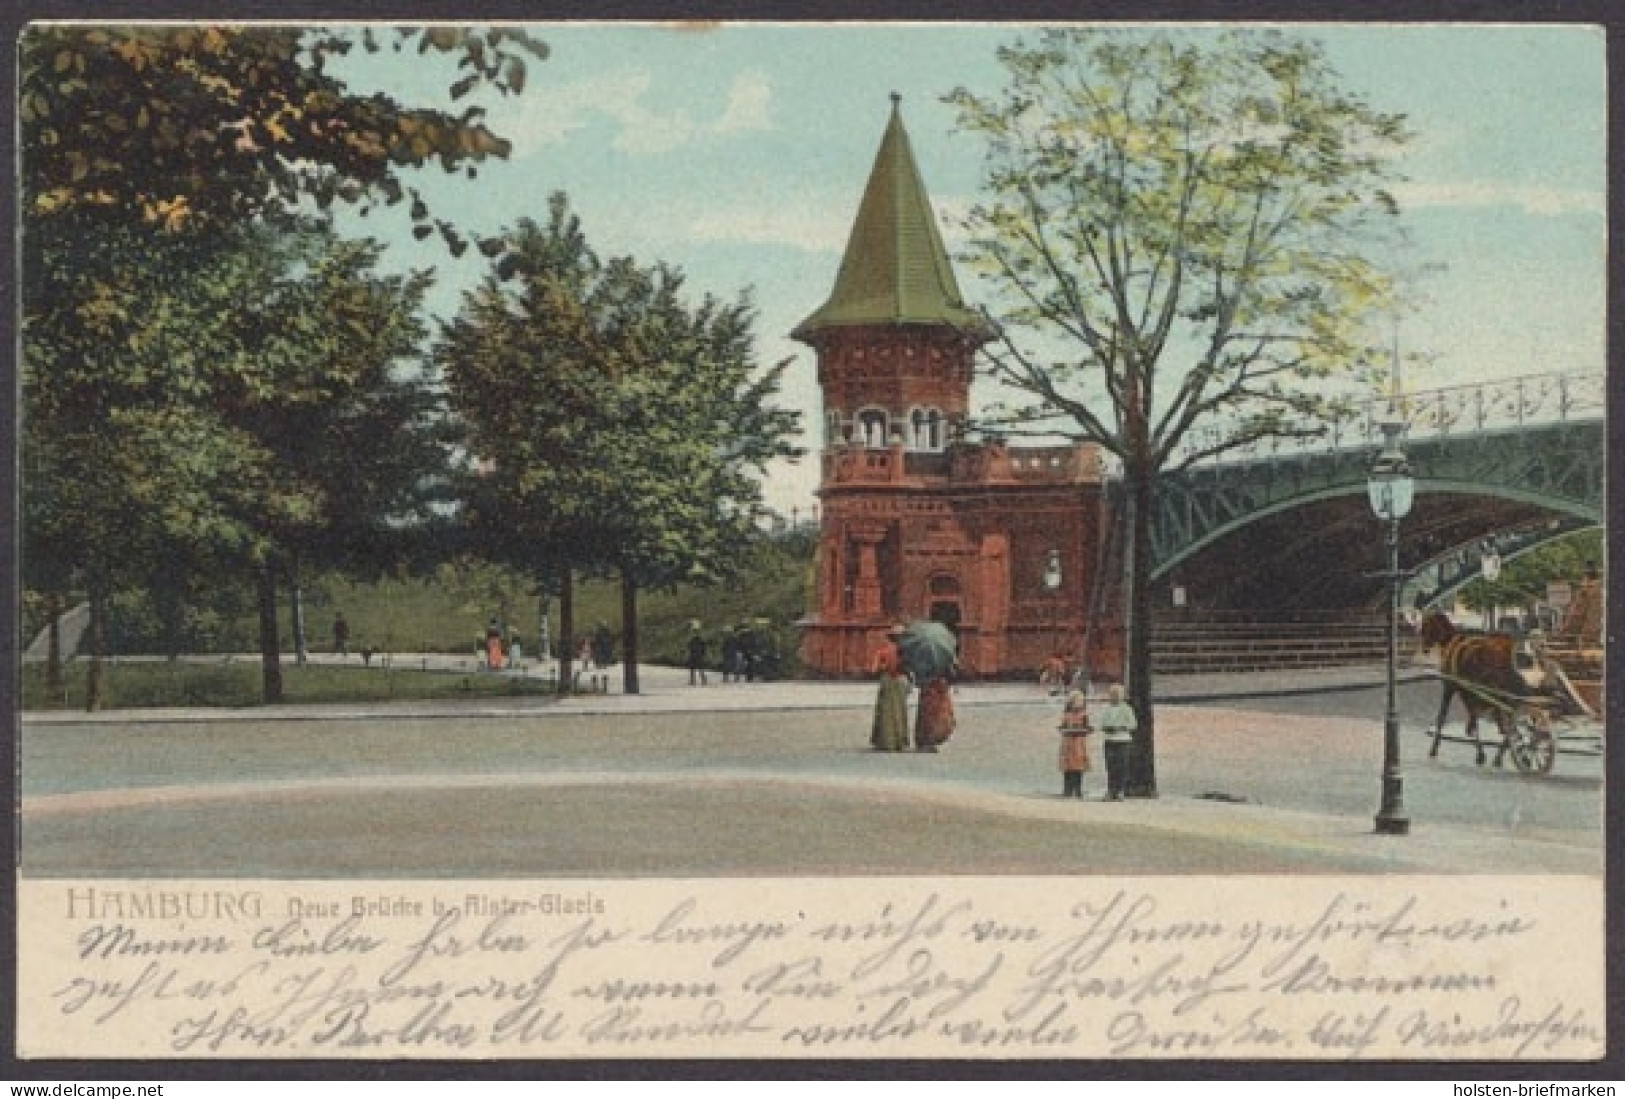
(447, 612)
(188, 683)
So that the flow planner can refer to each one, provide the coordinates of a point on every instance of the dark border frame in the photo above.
(1608, 15)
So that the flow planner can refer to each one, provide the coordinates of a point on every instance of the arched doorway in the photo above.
(943, 601)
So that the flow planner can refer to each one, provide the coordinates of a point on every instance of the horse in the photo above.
(1478, 667)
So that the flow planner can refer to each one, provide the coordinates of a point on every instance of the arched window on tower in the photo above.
(872, 428)
(832, 427)
(927, 425)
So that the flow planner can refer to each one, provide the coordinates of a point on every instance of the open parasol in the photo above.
(928, 650)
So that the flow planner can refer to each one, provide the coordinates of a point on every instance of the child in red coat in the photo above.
(1075, 732)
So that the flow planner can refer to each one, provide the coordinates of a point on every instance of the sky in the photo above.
(738, 153)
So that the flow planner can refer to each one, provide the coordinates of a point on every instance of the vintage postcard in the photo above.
(1020, 541)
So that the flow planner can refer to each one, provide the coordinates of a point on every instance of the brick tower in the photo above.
(1000, 543)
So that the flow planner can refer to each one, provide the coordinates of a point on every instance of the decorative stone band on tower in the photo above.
(917, 523)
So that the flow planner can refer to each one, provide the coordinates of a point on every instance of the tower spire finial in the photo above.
(896, 100)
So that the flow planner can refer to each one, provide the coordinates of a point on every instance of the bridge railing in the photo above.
(1503, 403)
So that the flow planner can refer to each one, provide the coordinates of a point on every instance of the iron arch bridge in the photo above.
(1500, 467)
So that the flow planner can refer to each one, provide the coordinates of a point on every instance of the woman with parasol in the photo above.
(889, 732)
(929, 652)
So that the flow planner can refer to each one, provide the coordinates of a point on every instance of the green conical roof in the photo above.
(895, 270)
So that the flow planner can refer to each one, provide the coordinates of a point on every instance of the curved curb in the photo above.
(614, 705)
(1286, 831)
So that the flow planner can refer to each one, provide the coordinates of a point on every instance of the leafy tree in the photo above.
(146, 152)
(1178, 227)
(188, 126)
(616, 426)
(350, 440)
(240, 401)
(1523, 579)
(693, 428)
(524, 372)
(126, 465)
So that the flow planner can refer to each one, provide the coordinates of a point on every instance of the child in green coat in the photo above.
(1117, 725)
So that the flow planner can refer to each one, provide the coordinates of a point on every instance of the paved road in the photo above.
(769, 779)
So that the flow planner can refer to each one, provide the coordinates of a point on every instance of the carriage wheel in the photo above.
(1532, 745)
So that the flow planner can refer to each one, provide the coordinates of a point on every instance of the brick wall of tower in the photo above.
(965, 536)
(896, 369)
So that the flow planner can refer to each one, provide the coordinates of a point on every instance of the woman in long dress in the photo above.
(889, 732)
(935, 721)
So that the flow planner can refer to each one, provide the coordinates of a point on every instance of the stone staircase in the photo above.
(1257, 643)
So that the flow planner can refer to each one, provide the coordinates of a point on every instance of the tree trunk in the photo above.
(296, 601)
(54, 685)
(567, 630)
(168, 592)
(270, 643)
(96, 635)
(629, 631)
(1142, 773)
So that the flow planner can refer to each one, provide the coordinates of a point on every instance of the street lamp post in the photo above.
(1052, 585)
(1391, 488)
(1489, 566)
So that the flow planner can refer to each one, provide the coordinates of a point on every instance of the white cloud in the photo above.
(616, 95)
(803, 225)
(643, 130)
(622, 97)
(1532, 199)
(749, 102)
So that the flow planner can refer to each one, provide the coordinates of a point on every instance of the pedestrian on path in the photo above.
(1117, 726)
(493, 645)
(1052, 674)
(697, 646)
(934, 720)
(730, 655)
(747, 653)
(341, 635)
(1075, 732)
(889, 731)
(603, 646)
(584, 666)
(516, 653)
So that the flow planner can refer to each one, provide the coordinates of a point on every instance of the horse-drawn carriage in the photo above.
(1522, 686)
